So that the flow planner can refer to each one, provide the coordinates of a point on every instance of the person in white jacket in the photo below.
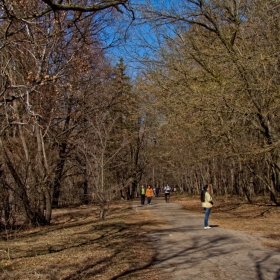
(207, 204)
(167, 190)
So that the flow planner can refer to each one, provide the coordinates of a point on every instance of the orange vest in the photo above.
(149, 192)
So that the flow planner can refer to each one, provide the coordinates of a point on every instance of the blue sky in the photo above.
(140, 39)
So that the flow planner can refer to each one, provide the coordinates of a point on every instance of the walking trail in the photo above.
(185, 250)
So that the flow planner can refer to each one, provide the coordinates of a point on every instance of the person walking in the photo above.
(143, 195)
(149, 194)
(207, 204)
(157, 191)
(154, 190)
(167, 190)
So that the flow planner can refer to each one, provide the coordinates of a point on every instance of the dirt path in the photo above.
(185, 250)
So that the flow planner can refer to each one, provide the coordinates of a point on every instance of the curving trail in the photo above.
(186, 251)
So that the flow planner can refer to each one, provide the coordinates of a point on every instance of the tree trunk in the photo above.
(48, 213)
(85, 187)
(21, 187)
(61, 162)
(58, 176)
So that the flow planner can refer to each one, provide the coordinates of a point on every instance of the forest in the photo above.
(100, 97)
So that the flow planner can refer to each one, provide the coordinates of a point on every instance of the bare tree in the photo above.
(43, 73)
(214, 81)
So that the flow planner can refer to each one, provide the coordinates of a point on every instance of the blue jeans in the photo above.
(206, 217)
(149, 199)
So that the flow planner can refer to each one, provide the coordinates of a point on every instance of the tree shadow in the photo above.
(199, 250)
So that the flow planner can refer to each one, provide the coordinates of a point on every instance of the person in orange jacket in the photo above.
(149, 194)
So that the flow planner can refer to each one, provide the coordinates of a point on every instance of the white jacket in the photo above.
(208, 199)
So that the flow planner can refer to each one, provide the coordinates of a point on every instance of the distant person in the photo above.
(157, 191)
(207, 204)
(143, 195)
(149, 194)
(154, 190)
(167, 190)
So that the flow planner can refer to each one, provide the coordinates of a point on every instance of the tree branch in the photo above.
(91, 8)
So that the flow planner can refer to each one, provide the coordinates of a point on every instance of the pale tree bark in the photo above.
(100, 158)
(35, 73)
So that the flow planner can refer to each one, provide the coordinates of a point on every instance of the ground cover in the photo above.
(261, 217)
(77, 245)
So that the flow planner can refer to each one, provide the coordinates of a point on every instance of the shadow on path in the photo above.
(185, 250)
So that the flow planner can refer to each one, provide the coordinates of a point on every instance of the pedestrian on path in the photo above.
(167, 190)
(207, 204)
(149, 194)
(157, 191)
(143, 195)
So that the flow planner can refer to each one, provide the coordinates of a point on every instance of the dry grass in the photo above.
(260, 218)
(79, 246)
